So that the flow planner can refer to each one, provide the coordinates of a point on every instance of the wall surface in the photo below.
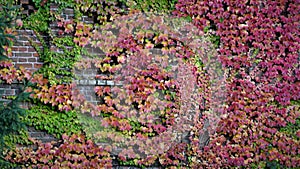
(25, 55)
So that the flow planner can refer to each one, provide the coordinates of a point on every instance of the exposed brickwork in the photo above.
(24, 54)
(40, 135)
(9, 89)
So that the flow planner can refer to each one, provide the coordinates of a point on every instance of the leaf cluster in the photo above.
(73, 152)
(58, 65)
(257, 44)
(6, 19)
(262, 69)
(165, 6)
(11, 120)
(56, 123)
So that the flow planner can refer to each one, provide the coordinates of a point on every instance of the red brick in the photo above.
(69, 11)
(31, 49)
(25, 43)
(29, 65)
(10, 92)
(22, 60)
(36, 55)
(32, 59)
(30, 7)
(14, 48)
(22, 38)
(23, 54)
(22, 49)
(53, 7)
(24, 1)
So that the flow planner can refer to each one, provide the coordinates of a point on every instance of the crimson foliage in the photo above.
(73, 152)
(259, 44)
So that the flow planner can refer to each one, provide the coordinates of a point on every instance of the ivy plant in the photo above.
(45, 118)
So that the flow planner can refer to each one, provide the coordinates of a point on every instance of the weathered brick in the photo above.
(22, 54)
(53, 7)
(22, 49)
(25, 55)
(32, 59)
(22, 38)
(31, 49)
(22, 60)
(9, 92)
(30, 7)
(27, 65)
(36, 55)
(37, 134)
(25, 43)
(23, 2)
(69, 11)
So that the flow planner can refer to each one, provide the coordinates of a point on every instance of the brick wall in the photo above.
(24, 54)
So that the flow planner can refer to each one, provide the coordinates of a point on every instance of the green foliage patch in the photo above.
(10, 110)
(91, 126)
(38, 21)
(291, 129)
(56, 123)
(58, 65)
(151, 5)
(20, 137)
(6, 18)
(57, 69)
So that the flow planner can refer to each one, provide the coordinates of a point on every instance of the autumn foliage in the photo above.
(257, 46)
(73, 152)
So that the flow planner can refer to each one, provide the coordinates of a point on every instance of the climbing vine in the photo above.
(257, 44)
(53, 122)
